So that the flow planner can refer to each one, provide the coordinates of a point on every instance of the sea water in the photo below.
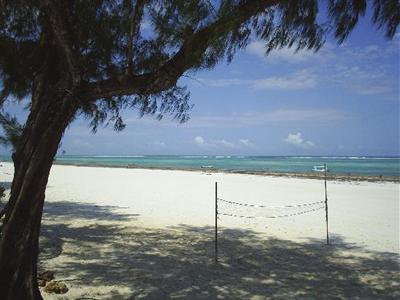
(355, 165)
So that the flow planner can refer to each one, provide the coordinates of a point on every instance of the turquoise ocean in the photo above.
(354, 165)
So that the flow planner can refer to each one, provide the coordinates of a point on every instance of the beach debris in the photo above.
(56, 287)
(46, 275)
(45, 280)
(42, 282)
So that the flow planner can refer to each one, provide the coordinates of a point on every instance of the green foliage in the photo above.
(174, 102)
(110, 38)
(19, 34)
(12, 131)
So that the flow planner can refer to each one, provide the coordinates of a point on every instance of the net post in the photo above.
(326, 208)
(216, 224)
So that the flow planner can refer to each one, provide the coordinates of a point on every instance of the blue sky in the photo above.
(342, 100)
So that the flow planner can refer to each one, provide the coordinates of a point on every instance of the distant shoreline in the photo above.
(338, 177)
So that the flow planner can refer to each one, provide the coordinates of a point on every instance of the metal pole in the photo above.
(216, 222)
(326, 208)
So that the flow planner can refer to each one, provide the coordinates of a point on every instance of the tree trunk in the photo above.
(53, 107)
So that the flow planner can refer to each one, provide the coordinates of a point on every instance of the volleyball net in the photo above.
(235, 209)
(253, 211)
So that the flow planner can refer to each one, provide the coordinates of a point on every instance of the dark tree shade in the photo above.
(96, 57)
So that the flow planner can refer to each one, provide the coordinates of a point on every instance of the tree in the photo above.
(94, 58)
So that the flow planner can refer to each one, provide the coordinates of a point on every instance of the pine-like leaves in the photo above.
(12, 130)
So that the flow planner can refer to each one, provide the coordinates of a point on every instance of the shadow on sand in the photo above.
(101, 247)
(6, 184)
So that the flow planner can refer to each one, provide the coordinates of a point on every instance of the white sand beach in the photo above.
(114, 233)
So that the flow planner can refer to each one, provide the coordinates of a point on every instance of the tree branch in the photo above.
(57, 22)
(190, 53)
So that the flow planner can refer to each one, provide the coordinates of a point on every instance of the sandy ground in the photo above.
(148, 234)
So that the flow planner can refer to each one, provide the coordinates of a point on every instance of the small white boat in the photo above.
(207, 167)
(319, 169)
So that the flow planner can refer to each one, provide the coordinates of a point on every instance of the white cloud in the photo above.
(289, 55)
(301, 80)
(262, 118)
(304, 115)
(296, 139)
(366, 70)
(297, 81)
(224, 82)
(247, 143)
(159, 144)
(224, 144)
(363, 80)
(198, 140)
(201, 142)
(361, 70)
